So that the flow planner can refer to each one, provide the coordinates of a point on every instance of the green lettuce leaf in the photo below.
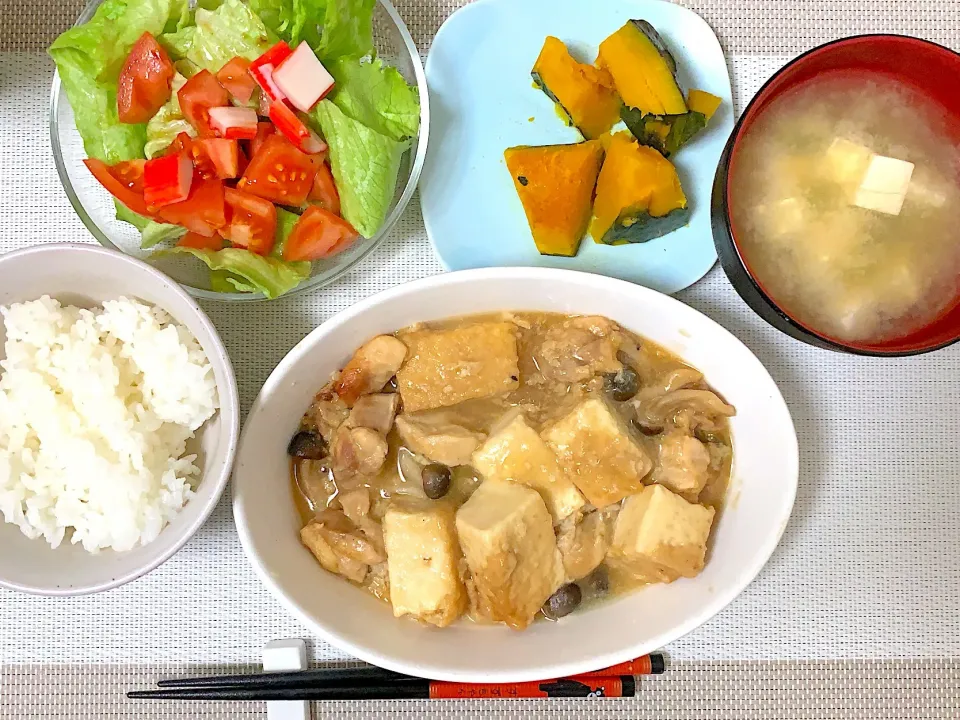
(377, 96)
(285, 222)
(169, 122)
(292, 20)
(226, 282)
(127, 215)
(347, 29)
(89, 58)
(219, 36)
(154, 233)
(267, 275)
(365, 165)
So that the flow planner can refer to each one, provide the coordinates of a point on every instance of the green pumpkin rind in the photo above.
(682, 128)
(634, 228)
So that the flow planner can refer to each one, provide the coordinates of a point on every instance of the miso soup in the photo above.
(846, 207)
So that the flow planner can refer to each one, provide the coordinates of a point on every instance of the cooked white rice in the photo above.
(96, 408)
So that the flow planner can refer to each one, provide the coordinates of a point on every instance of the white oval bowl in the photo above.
(759, 502)
(86, 275)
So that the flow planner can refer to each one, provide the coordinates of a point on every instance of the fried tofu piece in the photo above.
(660, 537)
(370, 368)
(599, 452)
(445, 367)
(516, 452)
(506, 534)
(423, 556)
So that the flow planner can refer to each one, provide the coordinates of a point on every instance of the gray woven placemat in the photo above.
(861, 573)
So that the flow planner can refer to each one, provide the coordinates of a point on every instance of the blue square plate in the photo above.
(483, 101)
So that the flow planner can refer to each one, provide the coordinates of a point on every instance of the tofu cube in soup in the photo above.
(600, 453)
(506, 534)
(446, 367)
(660, 536)
(423, 556)
(516, 452)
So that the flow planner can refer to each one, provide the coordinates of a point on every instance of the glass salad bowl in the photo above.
(95, 206)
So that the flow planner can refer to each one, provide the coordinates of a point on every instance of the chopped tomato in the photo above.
(199, 242)
(181, 143)
(217, 156)
(132, 199)
(253, 221)
(236, 78)
(280, 173)
(144, 83)
(197, 96)
(130, 173)
(318, 234)
(264, 130)
(234, 123)
(294, 129)
(242, 161)
(167, 180)
(262, 69)
(324, 191)
(204, 212)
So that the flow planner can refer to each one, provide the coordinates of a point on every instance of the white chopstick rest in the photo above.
(279, 655)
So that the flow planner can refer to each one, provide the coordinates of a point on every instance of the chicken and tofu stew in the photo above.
(510, 466)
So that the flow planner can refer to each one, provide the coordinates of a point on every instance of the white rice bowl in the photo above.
(96, 409)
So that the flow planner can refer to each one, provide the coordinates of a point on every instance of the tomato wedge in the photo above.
(324, 190)
(280, 173)
(197, 96)
(167, 180)
(181, 143)
(217, 157)
(199, 242)
(130, 173)
(236, 78)
(294, 129)
(318, 234)
(144, 83)
(264, 130)
(253, 221)
(204, 212)
(132, 199)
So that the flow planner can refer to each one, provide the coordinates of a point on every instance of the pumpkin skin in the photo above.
(643, 70)
(638, 197)
(555, 184)
(665, 133)
(584, 93)
(668, 133)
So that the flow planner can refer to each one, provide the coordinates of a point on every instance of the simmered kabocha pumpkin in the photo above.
(584, 93)
(703, 102)
(668, 133)
(643, 70)
(555, 184)
(638, 197)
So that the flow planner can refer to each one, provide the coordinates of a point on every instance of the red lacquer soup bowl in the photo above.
(925, 67)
